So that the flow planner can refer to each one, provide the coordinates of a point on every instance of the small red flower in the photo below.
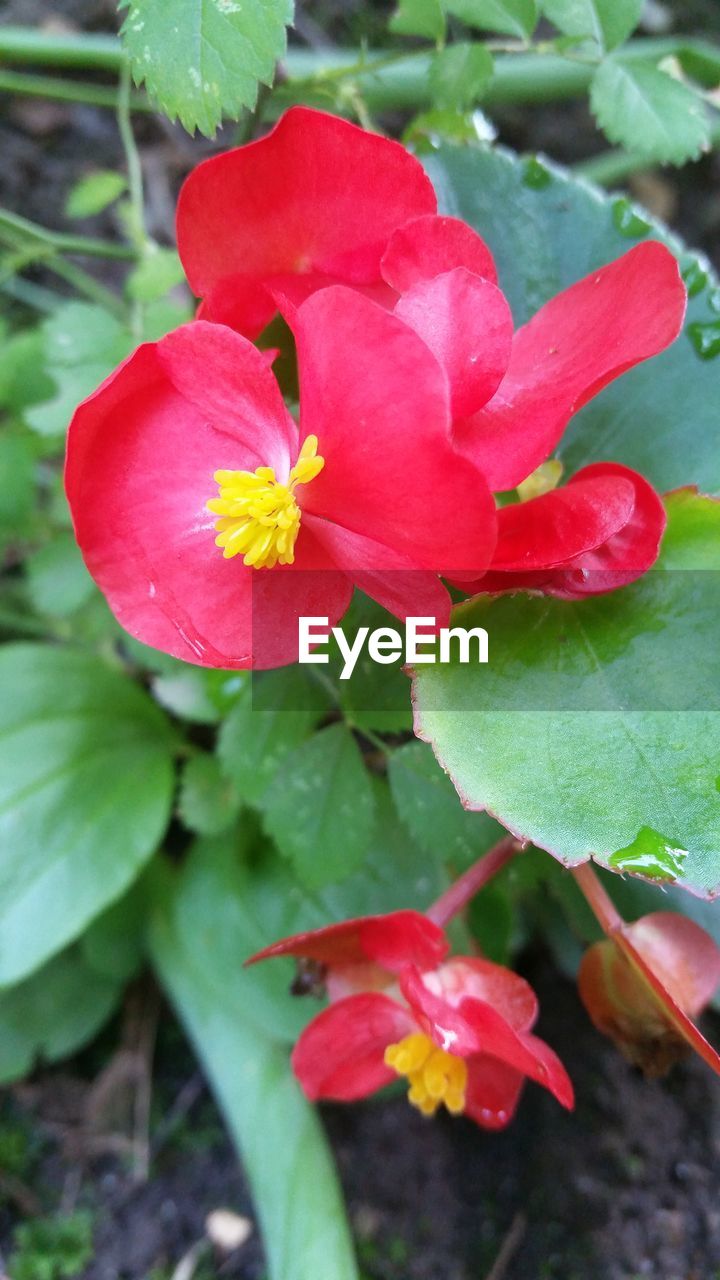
(644, 985)
(459, 1030)
(211, 522)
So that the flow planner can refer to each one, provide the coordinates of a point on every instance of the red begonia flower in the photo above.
(313, 203)
(577, 343)
(369, 490)
(459, 1030)
(644, 985)
(599, 532)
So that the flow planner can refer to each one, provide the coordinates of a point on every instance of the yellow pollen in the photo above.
(259, 517)
(435, 1077)
(547, 477)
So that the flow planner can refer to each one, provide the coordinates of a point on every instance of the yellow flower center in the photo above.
(435, 1076)
(547, 477)
(259, 516)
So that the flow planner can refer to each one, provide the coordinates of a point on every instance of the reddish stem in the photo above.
(472, 880)
(600, 902)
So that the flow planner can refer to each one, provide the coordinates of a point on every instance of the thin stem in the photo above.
(473, 880)
(31, 295)
(599, 900)
(87, 285)
(74, 91)
(137, 227)
(60, 242)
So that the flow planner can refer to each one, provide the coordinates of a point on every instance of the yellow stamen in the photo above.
(547, 476)
(259, 517)
(435, 1077)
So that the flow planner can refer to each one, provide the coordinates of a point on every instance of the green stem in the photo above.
(614, 167)
(137, 227)
(62, 243)
(57, 90)
(387, 82)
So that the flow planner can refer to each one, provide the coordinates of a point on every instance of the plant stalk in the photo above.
(473, 880)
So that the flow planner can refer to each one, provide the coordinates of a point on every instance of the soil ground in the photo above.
(625, 1188)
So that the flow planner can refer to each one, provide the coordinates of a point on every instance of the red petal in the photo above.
(142, 451)
(493, 1092)
(627, 552)
(557, 527)
(576, 344)
(428, 246)
(316, 195)
(682, 955)
(473, 1026)
(393, 582)
(467, 325)
(340, 1054)
(391, 941)
(377, 400)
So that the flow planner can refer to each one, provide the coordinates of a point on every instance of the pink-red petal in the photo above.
(493, 1092)
(378, 402)
(316, 197)
(603, 501)
(430, 245)
(466, 322)
(142, 451)
(577, 343)
(391, 941)
(340, 1054)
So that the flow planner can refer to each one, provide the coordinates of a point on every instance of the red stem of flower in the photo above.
(599, 901)
(472, 880)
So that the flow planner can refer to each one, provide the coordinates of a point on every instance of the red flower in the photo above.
(644, 985)
(459, 1030)
(369, 491)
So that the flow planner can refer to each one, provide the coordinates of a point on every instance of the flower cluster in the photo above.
(212, 519)
(458, 1030)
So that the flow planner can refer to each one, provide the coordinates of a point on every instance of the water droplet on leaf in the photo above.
(628, 220)
(705, 338)
(650, 854)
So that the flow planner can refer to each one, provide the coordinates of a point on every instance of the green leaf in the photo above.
(428, 804)
(187, 691)
(563, 229)
(649, 111)
(459, 75)
(614, 777)
(58, 582)
(199, 941)
(419, 18)
(53, 1013)
(85, 791)
(155, 275)
(208, 802)
(274, 713)
(114, 943)
(202, 59)
(23, 381)
(17, 482)
(319, 807)
(511, 17)
(83, 344)
(94, 192)
(608, 22)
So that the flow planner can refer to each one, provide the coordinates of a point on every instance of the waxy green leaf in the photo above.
(85, 791)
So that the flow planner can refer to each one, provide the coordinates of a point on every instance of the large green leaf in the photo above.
(661, 417)
(626, 770)
(202, 59)
(85, 790)
(53, 1013)
(227, 902)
